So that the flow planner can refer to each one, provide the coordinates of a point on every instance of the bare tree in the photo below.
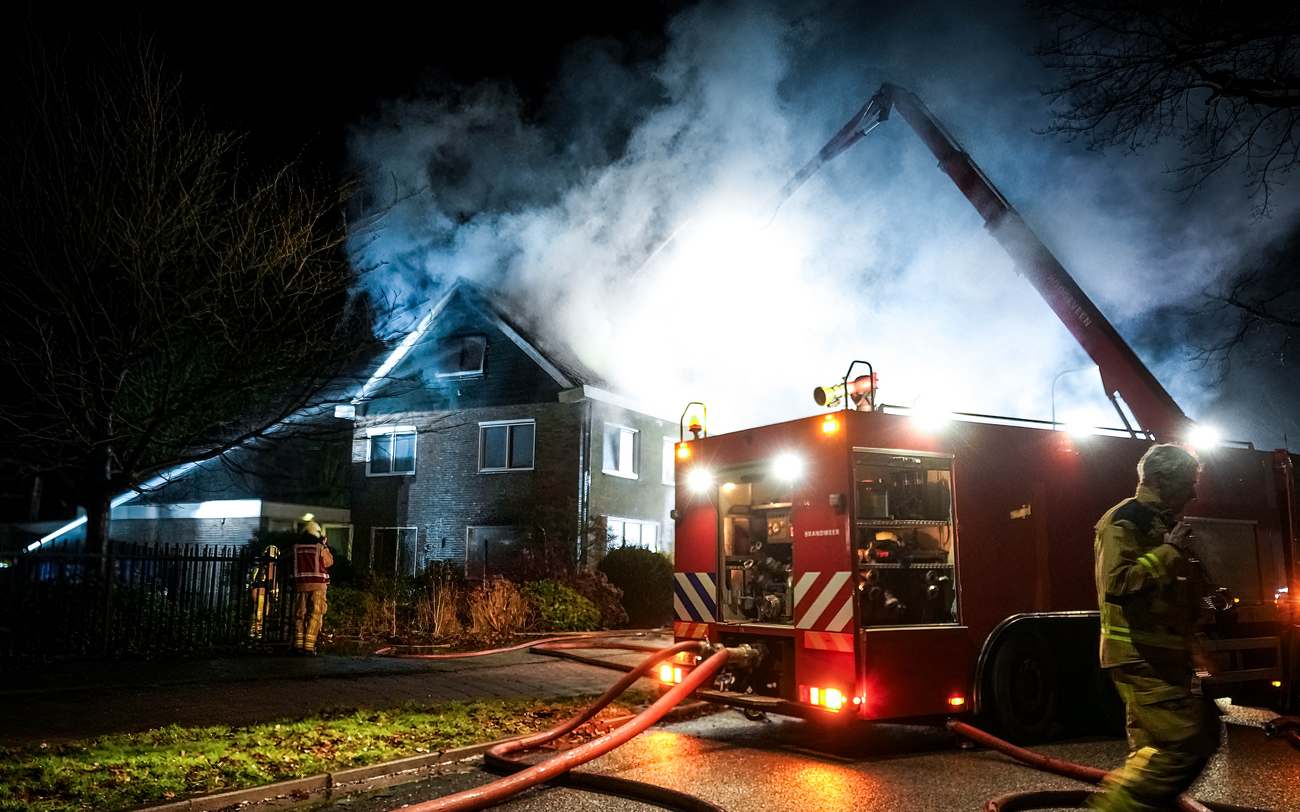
(161, 302)
(1224, 80)
(1221, 77)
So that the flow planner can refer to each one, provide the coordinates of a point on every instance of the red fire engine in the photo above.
(887, 565)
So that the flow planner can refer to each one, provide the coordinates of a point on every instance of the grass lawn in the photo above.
(134, 769)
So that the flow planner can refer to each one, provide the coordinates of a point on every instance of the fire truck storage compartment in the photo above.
(754, 510)
(904, 538)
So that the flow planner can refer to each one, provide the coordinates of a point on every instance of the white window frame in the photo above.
(466, 373)
(370, 564)
(656, 547)
(509, 441)
(669, 462)
(636, 451)
(392, 431)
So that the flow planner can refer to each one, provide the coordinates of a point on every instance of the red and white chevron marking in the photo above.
(690, 631)
(828, 641)
(824, 601)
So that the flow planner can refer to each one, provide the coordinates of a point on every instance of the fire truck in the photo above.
(889, 565)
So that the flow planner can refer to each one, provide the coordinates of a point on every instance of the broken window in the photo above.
(460, 356)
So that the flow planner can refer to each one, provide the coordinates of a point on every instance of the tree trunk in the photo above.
(96, 499)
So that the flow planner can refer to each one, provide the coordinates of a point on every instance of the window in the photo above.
(632, 533)
(506, 446)
(460, 356)
(620, 451)
(392, 550)
(390, 450)
(669, 461)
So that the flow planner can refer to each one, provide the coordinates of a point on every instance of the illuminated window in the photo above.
(632, 533)
(506, 445)
(621, 447)
(460, 356)
(390, 451)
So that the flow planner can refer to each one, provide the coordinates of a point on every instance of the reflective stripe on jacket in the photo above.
(310, 564)
(1144, 611)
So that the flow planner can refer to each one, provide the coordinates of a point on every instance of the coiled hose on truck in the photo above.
(558, 769)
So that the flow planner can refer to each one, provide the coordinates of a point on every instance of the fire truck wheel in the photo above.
(1024, 686)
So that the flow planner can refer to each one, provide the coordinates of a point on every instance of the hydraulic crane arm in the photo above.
(1122, 373)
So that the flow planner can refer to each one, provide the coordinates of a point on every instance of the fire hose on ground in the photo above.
(559, 768)
(1059, 799)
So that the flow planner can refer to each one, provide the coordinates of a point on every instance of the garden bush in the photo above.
(607, 598)
(560, 608)
(646, 578)
(497, 609)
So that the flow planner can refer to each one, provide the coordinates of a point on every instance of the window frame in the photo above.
(465, 373)
(397, 540)
(622, 541)
(636, 451)
(391, 431)
(509, 427)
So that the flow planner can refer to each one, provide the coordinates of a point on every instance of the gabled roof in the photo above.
(565, 369)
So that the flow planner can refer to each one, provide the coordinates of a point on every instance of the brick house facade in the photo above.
(479, 447)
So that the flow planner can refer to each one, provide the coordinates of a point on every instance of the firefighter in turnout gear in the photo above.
(1150, 587)
(263, 588)
(311, 562)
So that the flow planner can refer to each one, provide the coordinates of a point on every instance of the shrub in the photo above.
(439, 598)
(497, 609)
(607, 598)
(560, 608)
(646, 578)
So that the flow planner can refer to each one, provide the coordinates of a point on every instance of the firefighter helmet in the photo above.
(312, 528)
(272, 551)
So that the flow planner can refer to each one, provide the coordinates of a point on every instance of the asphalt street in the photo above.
(793, 765)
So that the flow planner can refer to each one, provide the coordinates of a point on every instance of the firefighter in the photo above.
(311, 562)
(263, 583)
(1148, 587)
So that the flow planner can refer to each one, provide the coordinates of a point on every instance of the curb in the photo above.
(355, 779)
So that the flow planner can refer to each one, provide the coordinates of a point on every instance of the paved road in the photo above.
(81, 700)
(792, 765)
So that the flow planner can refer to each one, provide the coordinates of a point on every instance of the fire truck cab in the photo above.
(894, 566)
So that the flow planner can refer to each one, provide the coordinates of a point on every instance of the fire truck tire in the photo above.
(1023, 681)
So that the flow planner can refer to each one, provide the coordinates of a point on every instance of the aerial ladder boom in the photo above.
(1122, 373)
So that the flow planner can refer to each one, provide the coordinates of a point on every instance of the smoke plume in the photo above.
(627, 215)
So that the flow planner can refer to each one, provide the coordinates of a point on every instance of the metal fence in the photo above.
(135, 599)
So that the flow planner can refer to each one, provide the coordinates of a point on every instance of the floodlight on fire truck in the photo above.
(699, 480)
(787, 467)
(1204, 437)
(858, 391)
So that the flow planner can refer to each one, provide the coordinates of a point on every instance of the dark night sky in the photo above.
(294, 78)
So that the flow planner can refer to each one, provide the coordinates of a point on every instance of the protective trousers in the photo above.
(308, 612)
(1172, 733)
(259, 612)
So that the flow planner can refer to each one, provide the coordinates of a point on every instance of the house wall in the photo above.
(646, 498)
(509, 374)
(447, 494)
(186, 531)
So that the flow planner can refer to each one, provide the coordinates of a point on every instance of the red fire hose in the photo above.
(532, 775)
(1057, 799)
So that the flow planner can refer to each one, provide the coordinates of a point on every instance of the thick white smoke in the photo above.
(567, 213)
